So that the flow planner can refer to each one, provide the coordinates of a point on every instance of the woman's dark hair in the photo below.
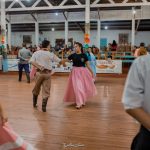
(45, 44)
(80, 45)
(114, 43)
(142, 44)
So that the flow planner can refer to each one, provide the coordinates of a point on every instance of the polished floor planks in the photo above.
(101, 125)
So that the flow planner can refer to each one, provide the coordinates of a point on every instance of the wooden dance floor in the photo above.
(101, 125)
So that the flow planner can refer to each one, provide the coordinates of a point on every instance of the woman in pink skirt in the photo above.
(9, 140)
(80, 84)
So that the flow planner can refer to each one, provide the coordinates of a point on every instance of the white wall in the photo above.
(142, 37)
(76, 35)
(17, 37)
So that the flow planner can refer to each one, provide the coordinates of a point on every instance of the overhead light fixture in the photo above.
(16, 0)
(53, 29)
(56, 14)
(134, 11)
(105, 27)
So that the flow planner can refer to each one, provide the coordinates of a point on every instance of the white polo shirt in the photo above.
(44, 58)
(137, 88)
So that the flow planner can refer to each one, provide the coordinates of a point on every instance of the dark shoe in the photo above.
(28, 77)
(35, 97)
(20, 76)
(44, 104)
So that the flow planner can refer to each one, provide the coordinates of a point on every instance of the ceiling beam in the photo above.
(99, 16)
(63, 2)
(81, 28)
(95, 2)
(125, 1)
(7, 20)
(12, 4)
(65, 15)
(79, 5)
(35, 19)
(111, 1)
(77, 2)
(120, 4)
(36, 3)
(138, 23)
(45, 8)
(48, 3)
(144, 1)
(21, 4)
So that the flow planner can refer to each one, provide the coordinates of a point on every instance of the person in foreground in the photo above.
(136, 100)
(9, 139)
(3, 119)
(80, 83)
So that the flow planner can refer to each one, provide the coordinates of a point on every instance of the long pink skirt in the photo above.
(9, 140)
(80, 86)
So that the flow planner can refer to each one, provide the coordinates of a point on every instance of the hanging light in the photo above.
(134, 11)
(105, 27)
(53, 29)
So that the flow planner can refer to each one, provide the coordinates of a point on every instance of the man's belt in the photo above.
(44, 71)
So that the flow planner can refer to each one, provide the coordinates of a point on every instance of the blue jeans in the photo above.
(27, 71)
(24, 66)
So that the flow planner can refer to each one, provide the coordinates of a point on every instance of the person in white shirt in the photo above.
(42, 60)
(136, 100)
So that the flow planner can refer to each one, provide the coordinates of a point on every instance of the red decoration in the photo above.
(86, 38)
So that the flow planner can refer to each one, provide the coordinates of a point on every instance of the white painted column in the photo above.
(98, 33)
(36, 34)
(3, 21)
(133, 33)
(87, 12)
(9, 35)
(87, 19)
(133, 29)
(66, 32)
